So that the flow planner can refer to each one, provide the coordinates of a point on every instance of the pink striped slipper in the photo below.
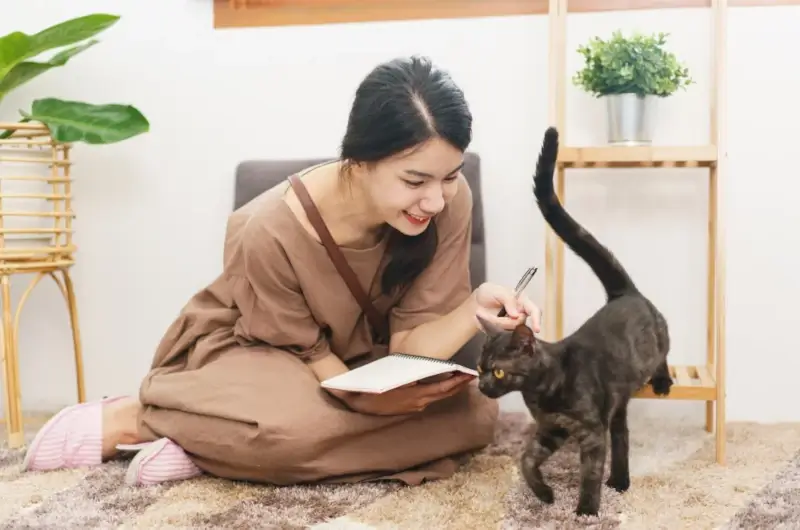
(160, 461)
(72, 438)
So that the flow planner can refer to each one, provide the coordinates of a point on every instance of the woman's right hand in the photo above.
(407, 399)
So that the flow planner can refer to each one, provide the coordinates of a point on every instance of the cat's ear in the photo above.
(522, 336)
(489, 327)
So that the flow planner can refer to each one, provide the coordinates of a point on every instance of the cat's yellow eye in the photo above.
(480, 370)
(499, 373)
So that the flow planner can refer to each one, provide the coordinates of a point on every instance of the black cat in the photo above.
(580, 386)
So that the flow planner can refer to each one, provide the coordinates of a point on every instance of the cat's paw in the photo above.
(620, 484)
(587, 508)
(544, 493)
(661, 385)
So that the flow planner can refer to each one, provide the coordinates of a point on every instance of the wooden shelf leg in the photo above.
(719, 134)
(68, 291)
(554, 247)
(13, 406)
(561, 192)
(720, 367)
(711, 284)
(720, 435)
(76, 334)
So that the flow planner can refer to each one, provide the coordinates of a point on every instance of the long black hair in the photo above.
(400, 104)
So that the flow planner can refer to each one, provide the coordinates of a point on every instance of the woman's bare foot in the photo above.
(120, 425)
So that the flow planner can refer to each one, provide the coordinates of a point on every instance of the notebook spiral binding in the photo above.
(412, 356)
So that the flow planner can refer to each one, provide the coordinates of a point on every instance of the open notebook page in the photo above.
(391, 372)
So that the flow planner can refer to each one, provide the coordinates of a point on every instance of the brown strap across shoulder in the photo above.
(339, 261)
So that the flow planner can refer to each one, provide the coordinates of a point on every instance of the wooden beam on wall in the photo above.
(588, 6)
(762, 3)
(334, 12)
(254, 13)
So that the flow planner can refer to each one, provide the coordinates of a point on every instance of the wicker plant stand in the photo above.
(35, 239)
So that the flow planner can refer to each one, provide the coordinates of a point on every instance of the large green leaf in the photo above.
(72, 31)
(17, 46)
(27, 70)
(14, 48)
(76, 121)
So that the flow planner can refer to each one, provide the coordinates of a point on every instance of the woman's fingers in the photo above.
(518, 310)
(531, 309)
(431, 398)
(444, 387)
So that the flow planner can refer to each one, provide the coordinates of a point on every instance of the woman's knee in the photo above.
(285, 455)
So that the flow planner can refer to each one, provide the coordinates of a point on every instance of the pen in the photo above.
(521, 285)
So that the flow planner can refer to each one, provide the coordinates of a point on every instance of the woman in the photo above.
(234, 388)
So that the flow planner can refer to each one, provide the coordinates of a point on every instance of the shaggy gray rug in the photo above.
(776, 506)
(675, 484)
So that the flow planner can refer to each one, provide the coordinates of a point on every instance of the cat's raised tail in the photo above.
(608, 270)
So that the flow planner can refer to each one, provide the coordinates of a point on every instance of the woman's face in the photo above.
(407, 190)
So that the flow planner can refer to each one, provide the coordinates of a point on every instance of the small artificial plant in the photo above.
(630, 65)
(68, 121)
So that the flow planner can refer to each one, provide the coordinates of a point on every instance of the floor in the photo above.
(675, 484)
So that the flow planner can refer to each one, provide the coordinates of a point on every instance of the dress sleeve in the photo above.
(445, 284)
(268, 295)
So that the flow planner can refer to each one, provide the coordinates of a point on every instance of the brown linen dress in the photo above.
(229, 381)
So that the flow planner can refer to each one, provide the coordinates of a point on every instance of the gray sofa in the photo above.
(254, 177)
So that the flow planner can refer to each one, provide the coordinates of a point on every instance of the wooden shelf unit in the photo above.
(696, 383)
(638, 156)
(705, 382)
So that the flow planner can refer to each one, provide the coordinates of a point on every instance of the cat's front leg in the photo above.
(546, 442)
(661, 380)
(619, 478)
(592, 442)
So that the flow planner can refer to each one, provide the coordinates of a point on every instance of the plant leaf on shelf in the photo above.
(23, 72)
(76, 121)
(18, 46)
(68, 121)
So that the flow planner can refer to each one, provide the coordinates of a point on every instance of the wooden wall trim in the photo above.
(587, 6)
(305, 12)
(370, 11)
(763, 3)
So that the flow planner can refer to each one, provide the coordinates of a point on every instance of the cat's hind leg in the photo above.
(661, 380)
(547, 441)
(619, 478)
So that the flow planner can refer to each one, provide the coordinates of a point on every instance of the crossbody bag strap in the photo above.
(339, 261)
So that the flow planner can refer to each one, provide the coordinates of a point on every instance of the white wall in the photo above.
(152, 211)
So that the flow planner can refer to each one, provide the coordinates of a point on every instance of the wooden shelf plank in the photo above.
(695, 383)
(638, 156)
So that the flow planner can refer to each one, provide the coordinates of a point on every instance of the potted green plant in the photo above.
(630, 74)
(64, 121)
(68, 121)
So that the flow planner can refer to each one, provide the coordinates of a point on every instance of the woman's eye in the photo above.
(412, 184)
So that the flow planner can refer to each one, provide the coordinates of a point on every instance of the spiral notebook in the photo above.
(394, 371)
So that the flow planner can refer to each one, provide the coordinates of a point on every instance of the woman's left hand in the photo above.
(491, 298)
